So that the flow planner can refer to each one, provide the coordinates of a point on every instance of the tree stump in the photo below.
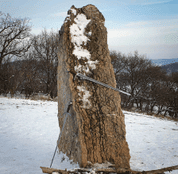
(95, 131)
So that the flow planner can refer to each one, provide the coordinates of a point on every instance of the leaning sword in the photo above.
(100, 83)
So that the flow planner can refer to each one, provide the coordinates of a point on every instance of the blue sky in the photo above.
(149, 26)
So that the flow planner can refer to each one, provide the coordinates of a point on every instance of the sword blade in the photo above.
(100, 83)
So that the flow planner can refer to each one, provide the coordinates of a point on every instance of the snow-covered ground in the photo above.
(29, 131)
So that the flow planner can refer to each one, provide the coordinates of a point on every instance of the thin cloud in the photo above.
(145, 32)
(136, 24)
(61, 14)
(139, 2)
(156, 2)
(37, 31)
(163, 22)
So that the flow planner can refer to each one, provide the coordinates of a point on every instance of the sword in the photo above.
(100, 83)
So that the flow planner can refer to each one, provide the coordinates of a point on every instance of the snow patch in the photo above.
(80, 68)
(92, 64)
(77, 30)
(67, 18)
(81, 53)
(85, 96)
(78, 38)
(89, 33)
(104, 165)
(74, 11)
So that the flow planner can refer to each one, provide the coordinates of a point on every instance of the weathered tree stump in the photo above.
(95, 131)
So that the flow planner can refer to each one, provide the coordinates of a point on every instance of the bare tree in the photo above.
(14, 36)
(129, 71)
(149, 85)
(10, 76)
(118, 61)
(30, 80)
(45, 48)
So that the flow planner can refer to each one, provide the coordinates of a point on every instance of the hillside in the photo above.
(161, 62)
(29, 131)
(173, 67)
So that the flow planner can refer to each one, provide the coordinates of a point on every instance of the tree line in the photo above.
(152, 89)
(28, 64)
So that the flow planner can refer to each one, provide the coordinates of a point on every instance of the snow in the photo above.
(152, 141)
(81, 52)
(29, 131)
(67, 18)
(89, 33)
(78, 38)
(92, 64)
(85, 95)
(74, 11)
(77, 30)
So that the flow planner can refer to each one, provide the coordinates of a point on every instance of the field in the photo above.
(29, 131)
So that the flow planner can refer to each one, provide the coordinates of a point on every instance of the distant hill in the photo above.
(173, 67)
(161, 62)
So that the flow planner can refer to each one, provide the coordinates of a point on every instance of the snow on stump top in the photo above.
(95, 131)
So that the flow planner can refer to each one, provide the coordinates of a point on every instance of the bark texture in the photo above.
(95, 131)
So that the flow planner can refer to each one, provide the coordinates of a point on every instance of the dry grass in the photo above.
(36, 96)
(43, 97)
(40, 97)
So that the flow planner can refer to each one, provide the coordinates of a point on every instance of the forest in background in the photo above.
(152, 89)
(28, 65)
